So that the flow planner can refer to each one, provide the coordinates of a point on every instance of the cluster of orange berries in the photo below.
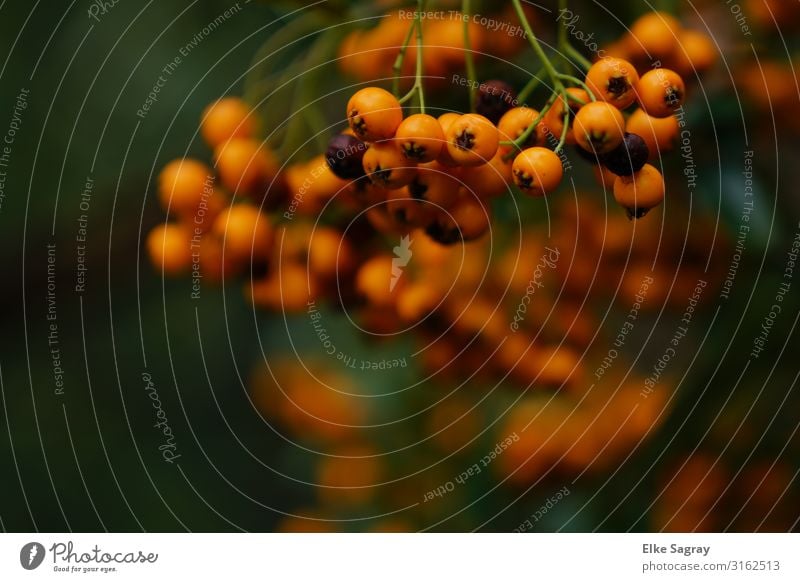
(455, 162)
(217, 227)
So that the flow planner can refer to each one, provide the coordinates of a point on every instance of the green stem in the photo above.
(418, 81)
(575, 54)
(517, 143)
(397, 68)
(531, 86)
(564, 131)
(582, 85)
(469, 58)
(418, 88)
(537, 47)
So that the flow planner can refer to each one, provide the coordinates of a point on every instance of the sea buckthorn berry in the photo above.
(599, 127)
(345, 155)
(183, 184)
(629, 157)
(420, 138)
(488, 180)
(661, 92)
(169, 247)
(516, 121)
(537, 171)
(245, 166)
(225, 119)
(614, 81)
(640, 193)
(374, 114)
(494, 98)
(659, 134)
(387, 167)
(246, 234)
(434, 184)
(466, 221)
(655, 34)
(472, 140)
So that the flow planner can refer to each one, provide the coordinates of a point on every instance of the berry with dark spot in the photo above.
(345, 156)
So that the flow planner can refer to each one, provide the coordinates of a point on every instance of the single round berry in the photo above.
(661, 92)
(614, 81)
(641, 192)
(344, 156)
(660, 134)
(182, 186)
(599, 127)
(537, 171)
(472, 140)
(374, 114)
(169, 247)
(629, 157)
(420, 138)
(516, 121)
(494, 99)
(387, 167)
(227, 118)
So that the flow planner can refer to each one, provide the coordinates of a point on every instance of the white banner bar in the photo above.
(399, 557)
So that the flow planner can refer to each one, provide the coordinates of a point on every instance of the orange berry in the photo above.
(537, 171)
(489, 180)
(696, 52)
(556, 116)
(407, 209)
(418, 300)
(169, 247)
(182, 186)
(387, 167)
(225, 119)
(472, 140)
(246, 166)
(659, 133)
(246, 234)
(655, 34)
(599, 127)
(379, 281)
(661, 92)
(445, 121)
(613, 80)
(420, 138)
(640, 193)
(330, 255)
(374, 114)
(436, 185)
(516, 121)
(288, 289)
(466, 221)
